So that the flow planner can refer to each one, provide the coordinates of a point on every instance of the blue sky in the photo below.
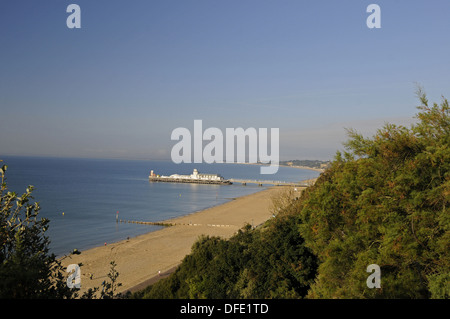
(136, 70)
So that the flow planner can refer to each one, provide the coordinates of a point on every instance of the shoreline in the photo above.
(320, 170)
(146, 258)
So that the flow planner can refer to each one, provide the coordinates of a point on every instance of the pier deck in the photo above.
(195, 181)
(275, 183)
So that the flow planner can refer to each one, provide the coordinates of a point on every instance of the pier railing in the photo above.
(266, 182)
(187, 180)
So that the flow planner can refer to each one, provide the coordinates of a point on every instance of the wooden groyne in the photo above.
(169, 224)
(165, 224)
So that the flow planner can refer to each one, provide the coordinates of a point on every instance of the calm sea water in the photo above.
(81, 197)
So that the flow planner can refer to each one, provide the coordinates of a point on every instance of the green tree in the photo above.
(280, 266)
(384, 201)
(270, 262)
(27, 269)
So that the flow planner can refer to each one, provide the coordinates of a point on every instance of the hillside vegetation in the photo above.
(384, 200)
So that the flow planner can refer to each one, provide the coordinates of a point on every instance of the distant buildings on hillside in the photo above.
(307, 163)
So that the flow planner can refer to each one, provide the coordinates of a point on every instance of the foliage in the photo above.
(385, 201)
(27, 269)
(109, 287)
(263, 263)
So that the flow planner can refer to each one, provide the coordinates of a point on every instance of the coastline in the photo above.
(320, 170)
(146, 258)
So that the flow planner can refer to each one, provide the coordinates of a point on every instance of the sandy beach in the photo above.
(140, 259)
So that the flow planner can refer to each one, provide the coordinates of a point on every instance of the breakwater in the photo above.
(169, 224)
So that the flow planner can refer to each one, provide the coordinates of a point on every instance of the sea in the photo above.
(85, 199)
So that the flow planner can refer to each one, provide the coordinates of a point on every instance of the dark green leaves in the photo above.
(386, 202)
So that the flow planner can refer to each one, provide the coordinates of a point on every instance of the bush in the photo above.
(27, 269)
(262, 263)
(385, 201)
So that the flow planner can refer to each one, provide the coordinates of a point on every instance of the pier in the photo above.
(275, 183)
(198, 178)
(191, 181)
